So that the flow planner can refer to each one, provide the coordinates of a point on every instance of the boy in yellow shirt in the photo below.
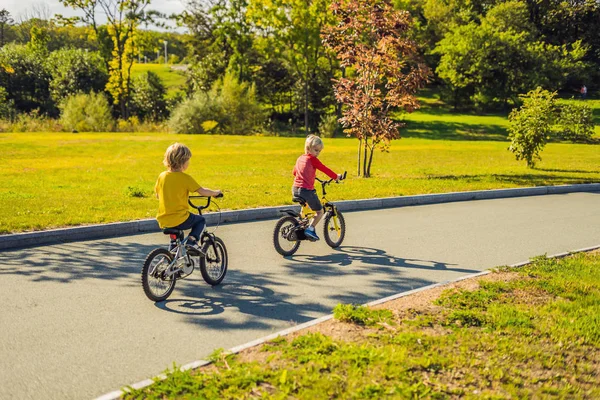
(172, 190)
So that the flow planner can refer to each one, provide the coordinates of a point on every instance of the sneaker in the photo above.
(311, 234)
(194, 246)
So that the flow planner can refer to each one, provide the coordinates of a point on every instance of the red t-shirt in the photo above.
(305, 170)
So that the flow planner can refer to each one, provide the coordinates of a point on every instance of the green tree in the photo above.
(26, 79)
(294, 29)
(123, 18)
(148, 97)
(5, 22)
(74, 71)
(531, 125)
(492, 62)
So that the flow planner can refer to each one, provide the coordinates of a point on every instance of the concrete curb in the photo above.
(197, 364)
(100, 231)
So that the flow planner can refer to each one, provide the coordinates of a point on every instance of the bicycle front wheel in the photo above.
(283, 229)
(156, 286)
(213, 266)
(334, 229)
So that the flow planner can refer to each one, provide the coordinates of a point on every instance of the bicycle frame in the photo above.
(307, 213)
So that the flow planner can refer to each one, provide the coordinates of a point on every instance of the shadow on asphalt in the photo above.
(64, 263)
(261, 297)
(251, 295)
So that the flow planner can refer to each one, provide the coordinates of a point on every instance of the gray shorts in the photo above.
(310, 196)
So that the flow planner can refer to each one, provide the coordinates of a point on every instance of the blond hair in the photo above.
(312, 142)
(176, 156)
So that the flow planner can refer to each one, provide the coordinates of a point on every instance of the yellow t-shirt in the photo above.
(173, 189)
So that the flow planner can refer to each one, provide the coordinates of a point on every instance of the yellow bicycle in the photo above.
(289, 230)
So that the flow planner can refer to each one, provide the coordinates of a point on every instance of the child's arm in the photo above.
(208, 192)
(321, 167)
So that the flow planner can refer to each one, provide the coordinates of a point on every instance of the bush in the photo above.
(86, 113)
(530, 125)
(230, 107)
(30, 122)
(239, 111)
(575, 122)
(329, 125)
(74, 71)
(148, 97)
(189, 115)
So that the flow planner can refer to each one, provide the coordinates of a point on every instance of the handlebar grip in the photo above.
(220, 195)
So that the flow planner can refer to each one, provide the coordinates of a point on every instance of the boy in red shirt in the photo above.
(304, 181)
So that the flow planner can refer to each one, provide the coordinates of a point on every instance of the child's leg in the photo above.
(316, 218)
(198, 225)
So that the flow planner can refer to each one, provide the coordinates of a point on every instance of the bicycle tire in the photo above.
(214, 276)
(329, 227)
(278, 236)
(151, 260)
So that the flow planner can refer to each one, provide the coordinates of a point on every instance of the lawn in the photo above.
(54, 180)
(173, 79)
(533, 332)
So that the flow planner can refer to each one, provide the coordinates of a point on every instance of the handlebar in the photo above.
(332, 180)
(202, 197)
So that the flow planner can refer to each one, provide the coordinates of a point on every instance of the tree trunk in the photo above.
(358, 155)
(306, 106)
(368, 175)
(365, 160)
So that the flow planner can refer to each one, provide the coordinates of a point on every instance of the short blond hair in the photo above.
(312, 142)
(176, 155)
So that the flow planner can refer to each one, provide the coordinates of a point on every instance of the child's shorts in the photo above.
(310, 196)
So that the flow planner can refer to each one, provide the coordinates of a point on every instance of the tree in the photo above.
(123, 17)
(371, 39)
(491, 62)
(530, 126)
(294, 28)
(148, 97)
(26, 79)
(5, 22)
(75, 71)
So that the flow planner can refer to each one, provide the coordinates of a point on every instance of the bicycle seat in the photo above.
(172, 231)
(299, 200)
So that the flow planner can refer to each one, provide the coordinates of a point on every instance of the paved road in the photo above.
(76, 324)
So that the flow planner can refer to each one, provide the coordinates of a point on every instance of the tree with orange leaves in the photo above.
(371, 41)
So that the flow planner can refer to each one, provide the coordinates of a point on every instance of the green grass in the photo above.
(533, 335)
(53, 180)
(436, 120)
(173, 80)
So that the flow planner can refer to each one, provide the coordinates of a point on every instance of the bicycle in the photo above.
(163, 267)
(289, 230)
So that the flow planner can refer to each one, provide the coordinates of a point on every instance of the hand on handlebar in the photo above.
(340, 177)
(219, 194)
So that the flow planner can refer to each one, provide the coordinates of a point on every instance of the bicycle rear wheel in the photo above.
(283, 229)
(156, 286)
(334, 237)
(213, 266)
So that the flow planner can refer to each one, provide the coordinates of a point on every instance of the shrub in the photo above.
(148, 97)
(86, 113)
(230, 107)
(530, 125)
(239, 111)
(575, 122)
(329, 125)
(189, 115)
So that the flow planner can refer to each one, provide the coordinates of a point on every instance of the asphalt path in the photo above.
(76, 324)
